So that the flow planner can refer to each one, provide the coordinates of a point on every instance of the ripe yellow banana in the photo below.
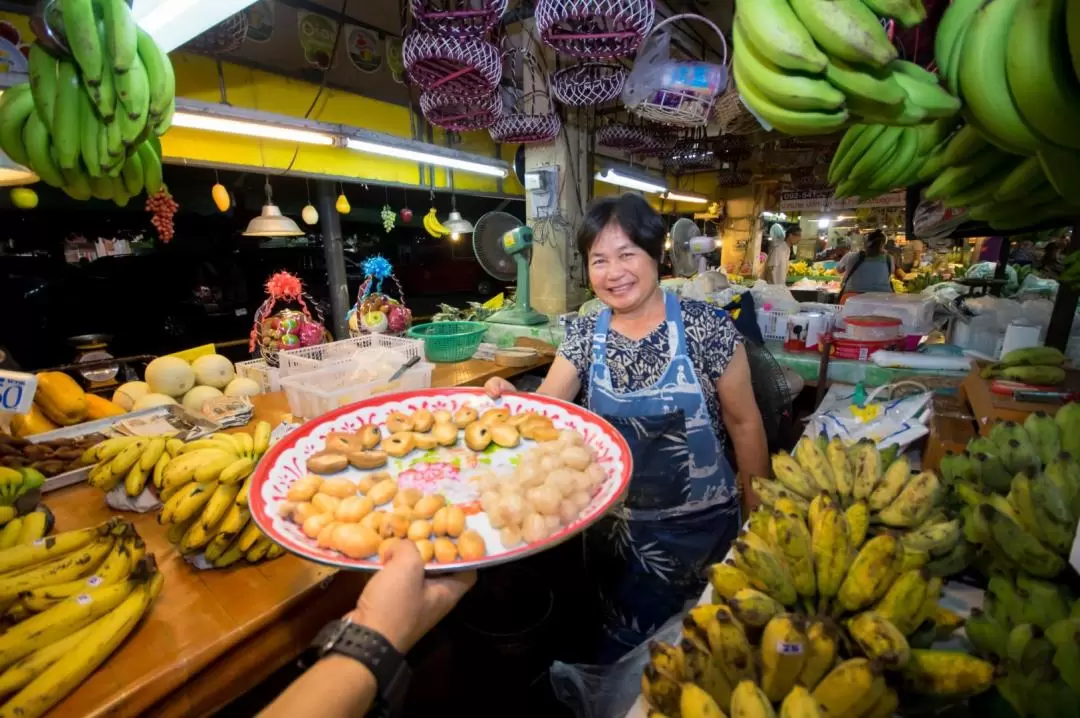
(832, 548)
(108, 449)
(236, 518)
(730, 648)
(799, 704)
(135, 481)
(771, 492)
(216, 442)
(820, 654)
(230, 440)
(258, 552)
(59, 570)
(914, 503)
(850, 688)
(700, 668)
(21, 673)
(791, 535)
(759, 522)
(244, 442)
(153, 451)
(661, 680)
(248, 537)
(158, 473)
(217, 507)
(9, 536)
(230, 556)
(902, 604)
(431, 221)
(117, 566)
(275, 551)
(754, 608)
(127, 458)
(261, 439)
(783, 655)
(947, 674)
(793, 476)
(33, 526)
(791, 505)
(843, 475)
(727, 580)
(242, 497)
(217, 546)
(894, 479)
(237, 471)
(821, 502)
(812, 459)
(885, 706)
(211, 470)
(866, 467)
(194, 501)
(858, 520)
(749, 701)
(871, 573)
(182, 468)
(694, 702)
(173, 446)
(173, 501)
(879, 639)
(195, 537)
(764, 567)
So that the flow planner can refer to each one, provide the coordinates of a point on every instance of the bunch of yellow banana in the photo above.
(872, 488)
(27, 528)
(81, 594)
(204, 486)
(131, 459)
(433, 226)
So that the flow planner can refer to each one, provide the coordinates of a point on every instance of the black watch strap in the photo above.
(377, 654)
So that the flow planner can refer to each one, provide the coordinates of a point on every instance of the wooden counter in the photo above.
(213, 635)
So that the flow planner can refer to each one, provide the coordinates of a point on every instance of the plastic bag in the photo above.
(647, 75)
(606, 691)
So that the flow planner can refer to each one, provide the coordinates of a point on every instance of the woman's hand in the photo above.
(402, 605)
(496, 386)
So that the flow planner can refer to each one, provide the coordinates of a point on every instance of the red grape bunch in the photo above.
(163, 206)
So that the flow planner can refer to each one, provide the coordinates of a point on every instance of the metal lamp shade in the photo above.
(458, 224)
(272, 223)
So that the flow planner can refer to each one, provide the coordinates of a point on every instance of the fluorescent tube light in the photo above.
(388, 150)
(623, 178)
(251, 129)
(173, 22)
(683, 197)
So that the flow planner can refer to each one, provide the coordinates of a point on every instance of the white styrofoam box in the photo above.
(17, 391)
(305, 359)
(915, 311)
(266, 376)
(313, 393)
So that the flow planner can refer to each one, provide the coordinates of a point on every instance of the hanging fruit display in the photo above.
(406, 215)
(221, 197)
(88, 123)
(24, 198)
(433, 226)
(162, 205)
(342, 205)
(388, 217)
(309, 214)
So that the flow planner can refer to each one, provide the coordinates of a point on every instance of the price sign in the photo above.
(17, 391)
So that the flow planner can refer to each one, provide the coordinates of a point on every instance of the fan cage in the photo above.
(526, 128)
(474, 18)
(590, 83)
(595, 29)
(465, 66)
(458, 114)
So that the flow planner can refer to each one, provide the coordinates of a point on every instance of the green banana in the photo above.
(120, 35)
(988, 636)
(151, 167)
(779, 35)
(161, 126)
(44, 76)
(934, 133)
(871, 160)
(16, 105)
(1042, 82)
(953, 562)
(81, 30)
(788, 121)
(101, 187)
(1022, 547)
(906, 150)
(846, 29)
(991, 473)
(960, 177)
(132, 122)
(983, 83)
(864, 83)
(1008, 606)
(76, 184)
(846, 143)
(39, 150)
(1044, 603)
(949, 39)
(1062, 168)
(908, 14)
(114, 141)
(858, 148)
(983, 189)
(104, 97)
(89, 131)
(1064, 474)
(931, 97)
(934, 164)
(133, 174)
(964, 144)
(1020, 180)
(159, 74)
(65, 124)
(133, 90)
(121, 197)
(788, 90)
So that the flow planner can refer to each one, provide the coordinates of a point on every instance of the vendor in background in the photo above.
(776, 266)
(868, 270)
(673, 377)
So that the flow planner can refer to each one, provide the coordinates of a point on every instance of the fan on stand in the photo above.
(689, 248)
(501, 244)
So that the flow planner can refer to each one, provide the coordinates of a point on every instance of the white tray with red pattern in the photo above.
(444, 471)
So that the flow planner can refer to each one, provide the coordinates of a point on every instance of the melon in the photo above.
(198, 395)
(127, 394)
(242, 386)
(213, 370)
(149, 401)
(171, 376)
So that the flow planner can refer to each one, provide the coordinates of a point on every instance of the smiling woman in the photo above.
(672, 376)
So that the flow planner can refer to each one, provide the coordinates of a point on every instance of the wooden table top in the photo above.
(218, 633)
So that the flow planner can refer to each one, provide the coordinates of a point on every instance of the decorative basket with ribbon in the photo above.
(458, 17)
(376, 312)
(459, 65)
(293, 325)
(598, 29)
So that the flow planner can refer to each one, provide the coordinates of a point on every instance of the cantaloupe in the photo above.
(171, 376)
(242, 386)
(213, 370)
(149, 401)
(127, 394)
(198, 395)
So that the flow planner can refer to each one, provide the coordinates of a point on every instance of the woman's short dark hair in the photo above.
(875, 243)
(632, 213)
(793, 229)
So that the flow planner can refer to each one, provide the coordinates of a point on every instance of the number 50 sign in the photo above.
(17, 391)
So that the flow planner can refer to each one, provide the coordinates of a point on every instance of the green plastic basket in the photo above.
(449, 341)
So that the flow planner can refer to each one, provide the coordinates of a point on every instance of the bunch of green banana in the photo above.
(1032, 365)
(806, 67)
(88, 124)
(13, 484)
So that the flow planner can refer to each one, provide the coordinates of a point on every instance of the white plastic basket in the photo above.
(314, 393)
(774, 324)
(266, 376)
(305, 359)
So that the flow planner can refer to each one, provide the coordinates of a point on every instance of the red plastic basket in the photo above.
(590, 83)
(598, 29)
(466, 66)
(458, 17)
(452, 112)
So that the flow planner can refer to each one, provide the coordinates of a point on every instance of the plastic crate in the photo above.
(774, 324)
(313, 393)
(305, 359)
(449, 341)
(266, 376)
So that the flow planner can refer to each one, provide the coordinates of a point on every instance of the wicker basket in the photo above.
(525, 128)
(732, 115)
(458, 17)
(464, 66)
(597, 29)
(590, 83)
(621, 136)
(456, 114)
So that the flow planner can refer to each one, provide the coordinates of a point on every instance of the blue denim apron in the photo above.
(681, 511)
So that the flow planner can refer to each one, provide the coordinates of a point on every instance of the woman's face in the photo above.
(622, 274)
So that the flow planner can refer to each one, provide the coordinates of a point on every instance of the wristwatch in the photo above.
(374, 652)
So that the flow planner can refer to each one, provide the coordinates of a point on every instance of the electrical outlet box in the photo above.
(542, 184)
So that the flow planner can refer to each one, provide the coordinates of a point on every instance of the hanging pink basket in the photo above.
(458, 114)
(598, 29)
(458, 17)
(526, 128)
(620, 136)
(590, 83)
(465, 66)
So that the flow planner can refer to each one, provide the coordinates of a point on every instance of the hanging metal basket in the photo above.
(458, 17)
(526, 128)
(590, 83)
(691, 154)
(598, 29)
(225, 37)
(654, 146)
(465, 66)
(460, 114)
(621, 136)
(734, 178)
(680, 106)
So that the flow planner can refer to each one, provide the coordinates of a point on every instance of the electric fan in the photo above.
(501, 244)
(688, 248)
